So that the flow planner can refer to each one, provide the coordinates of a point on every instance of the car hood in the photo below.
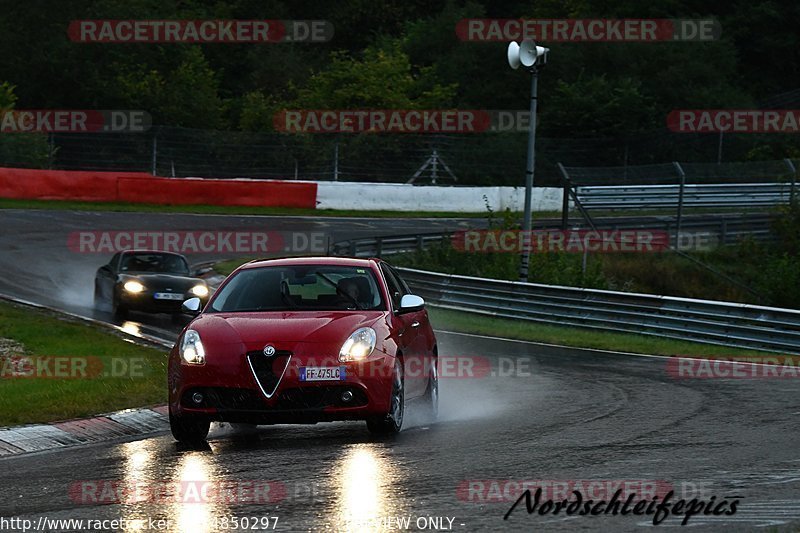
(258, 328)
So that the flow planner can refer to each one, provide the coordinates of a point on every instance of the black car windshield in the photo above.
(154, 262)
(299, 288)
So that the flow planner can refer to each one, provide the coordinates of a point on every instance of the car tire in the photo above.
(430, 399)
(119, 311)
(188, 430)
(392, 422)
(98, 300)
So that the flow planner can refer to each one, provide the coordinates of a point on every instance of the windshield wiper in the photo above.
(333, 284)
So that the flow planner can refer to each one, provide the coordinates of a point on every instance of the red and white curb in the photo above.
(122, 424)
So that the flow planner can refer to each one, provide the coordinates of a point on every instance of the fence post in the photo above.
(682, 176)
(565, 198)
(336, 161)
(793, 172)
(50, 150)
(155, 152)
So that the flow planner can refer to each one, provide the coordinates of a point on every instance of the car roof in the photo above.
(324, 260)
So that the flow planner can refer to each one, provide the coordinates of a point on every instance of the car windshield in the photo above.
(299, 287)
(154, 262)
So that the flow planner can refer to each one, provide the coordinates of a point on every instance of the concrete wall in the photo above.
(401, 197)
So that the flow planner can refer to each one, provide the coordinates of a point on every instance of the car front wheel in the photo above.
(392, 422)
(188, 430)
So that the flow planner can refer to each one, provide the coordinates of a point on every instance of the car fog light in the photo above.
(197, 398)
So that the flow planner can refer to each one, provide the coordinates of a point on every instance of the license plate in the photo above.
(322, 373)
(168, 296)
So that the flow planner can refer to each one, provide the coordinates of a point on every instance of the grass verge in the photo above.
(445, 319)
(98, 371)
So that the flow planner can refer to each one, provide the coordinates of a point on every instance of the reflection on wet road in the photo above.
(559, 418)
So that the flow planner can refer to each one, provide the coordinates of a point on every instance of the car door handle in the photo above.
(415, 324)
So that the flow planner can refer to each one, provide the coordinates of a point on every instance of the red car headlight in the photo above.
(358, 345)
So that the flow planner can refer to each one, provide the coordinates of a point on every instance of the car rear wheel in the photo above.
(392, 422)
(431, 398)
(188, 429)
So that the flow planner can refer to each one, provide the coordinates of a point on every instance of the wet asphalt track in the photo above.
(561, 416)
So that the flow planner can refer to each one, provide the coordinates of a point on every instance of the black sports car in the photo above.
(149, 281)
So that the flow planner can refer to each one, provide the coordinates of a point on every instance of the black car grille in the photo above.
(224, 398)
(320, 397)
(268, 370)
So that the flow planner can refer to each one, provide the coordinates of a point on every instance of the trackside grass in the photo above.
(70, 369)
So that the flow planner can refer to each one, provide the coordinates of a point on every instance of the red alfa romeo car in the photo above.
(304, 340)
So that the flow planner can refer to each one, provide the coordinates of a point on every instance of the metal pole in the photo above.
(155, 151)
(50, 150)
(434, 167)
(793, 173)
(682, 175)
(526, 221)
(336, 162)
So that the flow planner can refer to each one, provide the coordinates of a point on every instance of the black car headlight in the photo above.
(133, 286)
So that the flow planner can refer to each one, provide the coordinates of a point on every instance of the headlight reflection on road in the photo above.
(363, 483)
(131, 328)
(138, 467)
(193, 516)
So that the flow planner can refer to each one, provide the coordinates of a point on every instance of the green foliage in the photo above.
(20, 149)
(405, 54)
(382, 79)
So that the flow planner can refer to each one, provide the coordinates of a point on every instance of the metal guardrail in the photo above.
(722, 323)
(726, 230)
(694, 195)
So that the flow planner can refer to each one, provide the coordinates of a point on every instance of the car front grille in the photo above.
(268, 371)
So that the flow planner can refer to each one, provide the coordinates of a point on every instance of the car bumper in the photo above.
(233, 389)
(146, 302)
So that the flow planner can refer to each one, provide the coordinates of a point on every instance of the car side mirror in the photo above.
(200, 271)
(410, 303)
(191, 306)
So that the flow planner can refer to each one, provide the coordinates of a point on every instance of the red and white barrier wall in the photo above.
(140, 187)
(402, 197)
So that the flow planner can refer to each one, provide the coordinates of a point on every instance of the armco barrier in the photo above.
(139, 187)
(713, 322)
